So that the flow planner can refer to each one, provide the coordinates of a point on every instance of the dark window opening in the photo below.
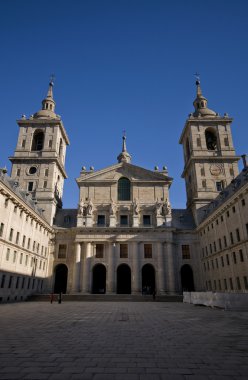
(211, 140)
(124, 189)
(146, 220)
(38, 141)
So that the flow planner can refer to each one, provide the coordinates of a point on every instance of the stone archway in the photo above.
(148, 279)
(61, 274)
(187, 278)
(99, 279)
(123, 279)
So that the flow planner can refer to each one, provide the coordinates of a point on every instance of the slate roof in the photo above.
(183, 219)
(66, 218)
(23, 195)
(235, 185)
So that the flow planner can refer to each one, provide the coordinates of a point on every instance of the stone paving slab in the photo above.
(122, 341)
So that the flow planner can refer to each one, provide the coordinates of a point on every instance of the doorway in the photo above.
(61, 274)
(99, 279)
(187, 278)
(123, 279)
(148, 279)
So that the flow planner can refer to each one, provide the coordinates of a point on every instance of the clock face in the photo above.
(216, 169)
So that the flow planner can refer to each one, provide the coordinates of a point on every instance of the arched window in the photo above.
(38, 140)
(124, 193)
(211, 140)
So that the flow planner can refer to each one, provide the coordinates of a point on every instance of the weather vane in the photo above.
(52, 78)
(197, 76)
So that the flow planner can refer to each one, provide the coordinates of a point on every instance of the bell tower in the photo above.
(209, 155)
(38, 164)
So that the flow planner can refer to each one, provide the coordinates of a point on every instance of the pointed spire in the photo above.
(200, 103)
(124, 156)
(48, 104)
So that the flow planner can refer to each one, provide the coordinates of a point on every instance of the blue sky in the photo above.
(123, 65)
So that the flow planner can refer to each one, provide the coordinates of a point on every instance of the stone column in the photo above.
(161, 272)
(136, 287)
(77, 268)
(87, 267)
(111, 268)
(170, 268)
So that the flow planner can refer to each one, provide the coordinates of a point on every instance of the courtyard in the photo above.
(121, 340)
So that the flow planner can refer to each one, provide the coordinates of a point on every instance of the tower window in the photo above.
(32, 170)
(23, 143)
(211, 140)
(124, 193)
(50, 143)
(45, 184)
(219, 186)
(187, 149)
(30, 186)
(226, 142)
(46, 172)
(198, 142)
(38, 140)
(18, 172)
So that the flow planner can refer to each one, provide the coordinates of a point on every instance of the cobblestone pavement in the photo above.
(115, 341)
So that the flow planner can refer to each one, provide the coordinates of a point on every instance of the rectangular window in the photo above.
(216, 262)
(23, 282)
(222, 261)
(237, 234)
(28, 243)
(243, 202)
(30, 186)
(3, 280)
(11, 234)
(14, 256)
(17, 237)
(148, 251)
(123, 220)
(23, 143)
(99, 251)
(210, 247)
(231, 237)
(204, 183)
(214, 246)
(245, 282)
(226, 142)
(204, 266)
(225, 241)
(214, 284)
(1, 229)
(198, 142)
(227, 214)
(241, 255)
(17, 282)
(225, 283)
(219, 186)
(231, 283)
(21, 257)
(45, 184)
(46, 172)
(123, 251)
(7, 254)
(18, 172)
(101, 220)
(10, 281)
(26, 260)
(146, 220)
(50, 143)
(238, 283)
(185, 252)
(233, 209)
(227, 260)
(23, 240)
(212, 262)
(219, 284)
(234, 257)
(202, 172)
(220, 245)
(62, 251)
(28, 283)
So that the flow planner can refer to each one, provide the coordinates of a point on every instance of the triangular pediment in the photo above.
(132, 172)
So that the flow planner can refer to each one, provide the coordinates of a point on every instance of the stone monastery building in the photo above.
(124, 237)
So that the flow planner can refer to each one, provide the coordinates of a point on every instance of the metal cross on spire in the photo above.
(197, 77)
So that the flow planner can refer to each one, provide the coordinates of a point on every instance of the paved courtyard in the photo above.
(128, 340)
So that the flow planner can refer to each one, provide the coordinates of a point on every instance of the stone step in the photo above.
(105, 297)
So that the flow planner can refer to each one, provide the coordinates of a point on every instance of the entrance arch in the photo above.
(99, 279)
(148, 279)
(123, 279)
(187, 278)
(61, 274)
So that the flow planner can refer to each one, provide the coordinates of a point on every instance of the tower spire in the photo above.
(200, 103)
(124, 156)
(48, 104)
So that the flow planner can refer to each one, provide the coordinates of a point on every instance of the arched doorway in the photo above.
(99, 279)
(148, 279)
(61, 274)
(123, 279)
(187, 278)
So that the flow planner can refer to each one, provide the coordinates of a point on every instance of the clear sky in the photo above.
(123, 65)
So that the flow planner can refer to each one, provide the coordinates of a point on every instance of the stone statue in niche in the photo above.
(81, 207)
(167, 207)
(90, 207)
(136, 208)
(158, 208)
(112, 208)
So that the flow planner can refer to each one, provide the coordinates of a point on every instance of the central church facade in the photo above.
(124, 236)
